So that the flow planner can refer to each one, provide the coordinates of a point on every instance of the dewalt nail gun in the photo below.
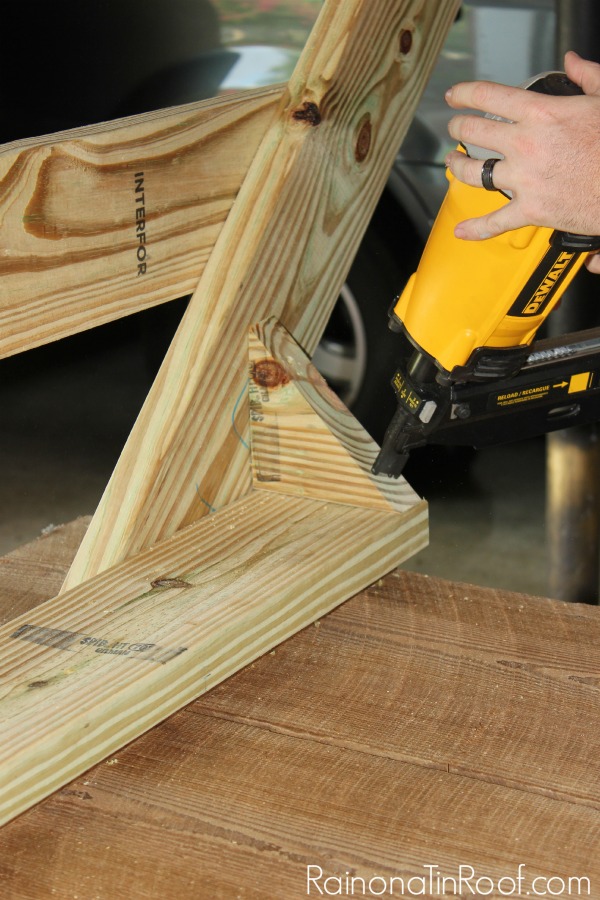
(469, 372)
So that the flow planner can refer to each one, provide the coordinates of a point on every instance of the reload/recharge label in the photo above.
(553, 390)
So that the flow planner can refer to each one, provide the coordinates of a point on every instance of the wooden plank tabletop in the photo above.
(421, 727)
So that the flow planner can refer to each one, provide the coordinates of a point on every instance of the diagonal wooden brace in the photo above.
(284, 250)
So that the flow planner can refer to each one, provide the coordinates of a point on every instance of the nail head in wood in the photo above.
(363, 141)
(269, 373)
(309, 112)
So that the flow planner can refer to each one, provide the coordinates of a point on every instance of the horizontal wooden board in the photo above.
(99, 665)
(480, 683)
(99, 222)
(330, 752)
(34, 573)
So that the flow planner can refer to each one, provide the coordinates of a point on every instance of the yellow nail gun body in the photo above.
(507, 285)
(469, 316)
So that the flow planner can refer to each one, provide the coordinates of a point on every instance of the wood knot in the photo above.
(309, 112)
(170, 583)
(363, 140)
(269, 373)
(405, 41)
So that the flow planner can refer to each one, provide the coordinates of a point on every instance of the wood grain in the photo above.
(481, 684)
(392, 736)
(285, 250)
(73, 207)
(304, 441)
(36, 572)
(99, 665)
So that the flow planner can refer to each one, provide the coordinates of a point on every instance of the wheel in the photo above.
(357, 352)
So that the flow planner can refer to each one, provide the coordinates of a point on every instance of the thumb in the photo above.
(593, 263)
(501, 220)
(583, 72)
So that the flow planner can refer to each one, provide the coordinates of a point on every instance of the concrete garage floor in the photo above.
(66, 410)
(487, 516)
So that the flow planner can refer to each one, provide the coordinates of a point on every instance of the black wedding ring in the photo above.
(487, 174)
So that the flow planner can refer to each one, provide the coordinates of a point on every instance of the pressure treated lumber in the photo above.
(86, 672)
(99, 665)
(421, 723)
(285, 251)
(304, 440)
(99, 222)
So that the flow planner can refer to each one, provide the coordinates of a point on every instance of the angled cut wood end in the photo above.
(304, 440)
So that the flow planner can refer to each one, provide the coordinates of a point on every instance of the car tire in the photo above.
(358, 353)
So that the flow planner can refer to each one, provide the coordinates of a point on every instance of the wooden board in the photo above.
(285, 250)
(101, 664)
(99, 222)
(304, 441)
(83, 674)
(27, 578)
(422, 723)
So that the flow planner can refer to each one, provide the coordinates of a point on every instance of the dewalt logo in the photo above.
(549, 282)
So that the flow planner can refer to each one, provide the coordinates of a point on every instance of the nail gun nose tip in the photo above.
(389, 462)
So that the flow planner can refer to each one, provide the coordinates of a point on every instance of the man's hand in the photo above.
(550, 149)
